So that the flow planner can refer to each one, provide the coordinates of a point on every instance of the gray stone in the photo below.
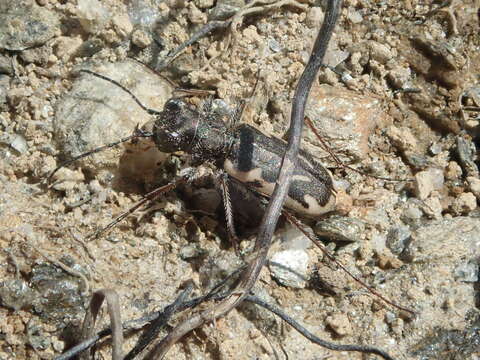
(466, 151)
(6, 65)
(191, 251)
(435, 148)
(96, 112)
(397, 238)
(274, 45)
(452, 239)
(293, 238)
(90, 48)
(290, 267)
(57, 287)
(37, 337)
(412, 213)
(467, 271)
(340, 229)
(19, 144)
(24, 24)
(16, 294)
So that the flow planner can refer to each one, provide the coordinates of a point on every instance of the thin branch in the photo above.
(204, 31)
(136, 324)
(113, 306)
(179, 305)
(313, 338)
(157, 324)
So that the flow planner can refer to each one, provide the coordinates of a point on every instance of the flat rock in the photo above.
(452, 239)
(345, 118)
(96, 112)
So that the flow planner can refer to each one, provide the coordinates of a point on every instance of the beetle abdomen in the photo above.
(255, 160)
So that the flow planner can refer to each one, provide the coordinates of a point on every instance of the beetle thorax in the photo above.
(175, 128)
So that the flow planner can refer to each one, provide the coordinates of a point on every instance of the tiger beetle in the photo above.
(239, 151)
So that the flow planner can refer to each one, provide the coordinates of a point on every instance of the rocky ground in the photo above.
(399, 100)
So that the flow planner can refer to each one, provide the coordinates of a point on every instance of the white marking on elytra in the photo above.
(255, 175)
(301, 178)
(314, 208)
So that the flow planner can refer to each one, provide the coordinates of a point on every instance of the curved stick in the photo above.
(275, 205)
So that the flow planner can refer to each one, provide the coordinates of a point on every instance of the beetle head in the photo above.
(174, 129)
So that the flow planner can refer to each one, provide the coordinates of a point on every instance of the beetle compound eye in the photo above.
(173, 105)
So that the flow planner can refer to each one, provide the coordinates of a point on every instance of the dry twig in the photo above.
(275, 205)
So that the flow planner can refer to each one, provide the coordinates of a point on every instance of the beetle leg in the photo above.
(222, 182)
(186, 175)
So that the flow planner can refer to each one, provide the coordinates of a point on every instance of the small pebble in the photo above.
(92, 15)
(464, 203)
(474, 184)
(435, 148)
(386, 262)
(141, 38)
(222, 11)
(427, 181)
(399, 77)
(341, 229)
(466, 151)
(355, 17)
(380, 52)
(58, 345)
(67, 47)
(122, 25)
(411, 213)
(290, 267)
(204, 4)
(314, 17)
(453, 171)
(16, 294)
(340, 324)
(19, 144)
(432, 207)
(390, 317)
(5, 65)
(274, 45)
(195, 15)
(467, 272)
(293, 238)
(397, 238)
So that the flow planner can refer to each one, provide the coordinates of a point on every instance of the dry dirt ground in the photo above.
(401, 100)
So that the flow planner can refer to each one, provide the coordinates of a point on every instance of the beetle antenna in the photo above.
(340, 163)
(137, 133)
(134, 97)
